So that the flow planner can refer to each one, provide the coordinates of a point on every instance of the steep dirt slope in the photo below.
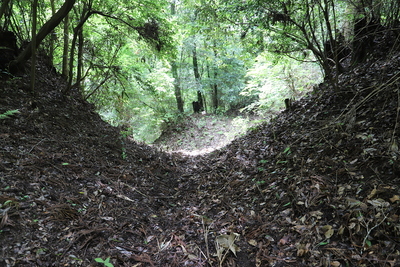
(318, 186)
(69, 181)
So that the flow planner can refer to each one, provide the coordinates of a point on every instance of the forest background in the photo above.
(147, 64)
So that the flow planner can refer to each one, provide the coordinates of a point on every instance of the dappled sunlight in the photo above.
(200, 135)
(197, 152)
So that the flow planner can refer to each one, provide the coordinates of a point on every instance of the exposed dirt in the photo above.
(199, 134)
(317, 186)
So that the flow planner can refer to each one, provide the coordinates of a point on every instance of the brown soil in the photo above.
(199, 134)
(317, 186)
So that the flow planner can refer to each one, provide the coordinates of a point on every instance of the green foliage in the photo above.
(129, 47)
(106, 262)
(272, 82)
(231, 79)
(8, 113)
(293, 28)
(139, 94)
(145, 103)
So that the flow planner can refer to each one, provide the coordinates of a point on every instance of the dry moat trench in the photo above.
(317, 186)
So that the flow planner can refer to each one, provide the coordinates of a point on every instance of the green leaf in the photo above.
(8, 113)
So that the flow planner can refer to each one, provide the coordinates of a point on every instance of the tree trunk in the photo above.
(65, 48)
(348, 24)
(215, 94)
(33, 42)
(47, 28)
(214, 88)
(177, 86)
(197, 79)
(53, 38)
(3, 7)
(86, 13)
(214, 84)
(80, 59)
(174, 69)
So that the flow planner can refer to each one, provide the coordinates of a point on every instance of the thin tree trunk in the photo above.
(214, 88)
(52, 39)
(214, 85)
(3, 7)
(177, 86)
(80, 59)
(348, 24)
(33, 42)
(174, 70)
(215, 94)
(65, 48)
(197, 78)
(84, 17)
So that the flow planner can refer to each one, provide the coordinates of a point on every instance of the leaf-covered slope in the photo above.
(318, 186)
(66, 175)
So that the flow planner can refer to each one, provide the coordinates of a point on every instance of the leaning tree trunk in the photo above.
(47, 28)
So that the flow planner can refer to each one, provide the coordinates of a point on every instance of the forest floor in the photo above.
(316, 186)
(199, 134)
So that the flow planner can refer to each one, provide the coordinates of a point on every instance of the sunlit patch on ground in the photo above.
(197, 152)
(199, 134)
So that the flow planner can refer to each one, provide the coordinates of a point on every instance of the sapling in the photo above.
(106, 262)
